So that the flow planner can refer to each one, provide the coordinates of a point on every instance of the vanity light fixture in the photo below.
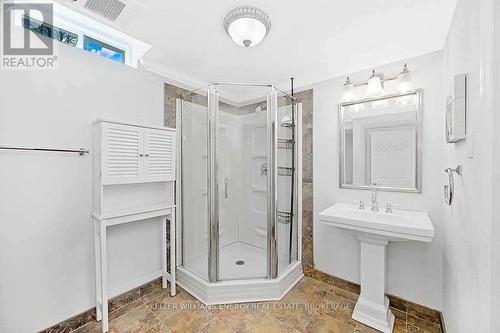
(246, 25)
(375, 84)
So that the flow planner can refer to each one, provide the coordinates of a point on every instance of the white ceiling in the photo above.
(311, 40)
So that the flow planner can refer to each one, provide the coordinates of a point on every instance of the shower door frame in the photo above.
(213, 184)
(213, 181)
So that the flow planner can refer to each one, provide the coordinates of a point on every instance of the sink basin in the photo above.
(374, 231)
(400, 225)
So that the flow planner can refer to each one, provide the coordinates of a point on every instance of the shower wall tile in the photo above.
(307, 168)
(307, 223)
(170, 95)
(307, 196)
(306, 99)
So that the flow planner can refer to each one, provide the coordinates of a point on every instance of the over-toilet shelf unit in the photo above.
(134, 181)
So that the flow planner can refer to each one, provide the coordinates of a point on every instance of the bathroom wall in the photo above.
(46, 237)
(467, 244)
(414, 269)
(495, 232)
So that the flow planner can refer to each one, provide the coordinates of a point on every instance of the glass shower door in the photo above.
(193, 125)
(242, 184)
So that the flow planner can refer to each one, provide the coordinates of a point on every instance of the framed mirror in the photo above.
(381, 143)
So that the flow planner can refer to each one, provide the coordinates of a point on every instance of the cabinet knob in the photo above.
(141, 155)
(147, 155)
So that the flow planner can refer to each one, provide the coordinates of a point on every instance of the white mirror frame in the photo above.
(418, 174)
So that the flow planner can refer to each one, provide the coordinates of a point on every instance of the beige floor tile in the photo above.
(294, 315)
(362, 328)
(339, 308)
(139, 319)
(187, 320)
(159, 328)
(323, 323)
(400, 326)
(344, 294)
(164, 305)
(315, 283)
(245, 321)
(269, 324)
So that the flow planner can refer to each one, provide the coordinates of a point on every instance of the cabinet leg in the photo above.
(104, 278)
(98, 280)
(164, 253)
(172, 253)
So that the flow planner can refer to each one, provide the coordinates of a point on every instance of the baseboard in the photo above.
(443, 326)
(116, 291)
(123, 298)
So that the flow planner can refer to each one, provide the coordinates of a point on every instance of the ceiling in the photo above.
(311, 40)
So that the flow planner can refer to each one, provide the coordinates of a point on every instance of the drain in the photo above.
(239, 262)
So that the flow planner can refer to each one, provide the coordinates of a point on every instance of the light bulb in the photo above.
(404, 80)
(374, 86)
(348, 91)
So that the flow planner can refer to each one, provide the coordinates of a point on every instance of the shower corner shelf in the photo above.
(286, 143)
(285, 171)
(284, 217)
(288, 125)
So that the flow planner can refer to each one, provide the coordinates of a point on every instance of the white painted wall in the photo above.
(46, 235)
(414, 269)
(467, 244)
(495, 232)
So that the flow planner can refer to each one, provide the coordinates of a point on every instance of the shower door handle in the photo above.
(226, 182)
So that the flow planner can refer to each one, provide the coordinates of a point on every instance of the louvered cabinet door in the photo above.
(159, 152)
(122, 151)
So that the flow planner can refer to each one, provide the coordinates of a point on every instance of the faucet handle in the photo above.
(361, 203)
(389, 207)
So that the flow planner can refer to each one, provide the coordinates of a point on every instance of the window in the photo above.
(85, 33)
(47, 30)
(104, 50)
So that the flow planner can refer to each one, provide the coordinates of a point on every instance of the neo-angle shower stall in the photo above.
(238, 193)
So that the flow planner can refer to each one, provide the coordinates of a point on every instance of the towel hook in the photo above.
(450, 188)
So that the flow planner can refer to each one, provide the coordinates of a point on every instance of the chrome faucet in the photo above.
(374, 201)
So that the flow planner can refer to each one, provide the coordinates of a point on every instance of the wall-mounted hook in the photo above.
(450, 188)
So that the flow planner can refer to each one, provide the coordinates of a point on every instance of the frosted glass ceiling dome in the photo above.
(247, 26)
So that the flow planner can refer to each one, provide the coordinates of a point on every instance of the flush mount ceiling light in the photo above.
(247, 26)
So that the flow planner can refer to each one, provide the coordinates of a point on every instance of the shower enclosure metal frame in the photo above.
(272, 174)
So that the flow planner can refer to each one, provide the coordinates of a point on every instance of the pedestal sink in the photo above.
(375, 230)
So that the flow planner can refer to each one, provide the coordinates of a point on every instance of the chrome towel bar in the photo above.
(81, 151)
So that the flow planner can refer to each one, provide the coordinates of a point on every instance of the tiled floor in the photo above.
(311, 306)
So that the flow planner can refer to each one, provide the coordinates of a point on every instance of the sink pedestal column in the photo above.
(372, 307)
